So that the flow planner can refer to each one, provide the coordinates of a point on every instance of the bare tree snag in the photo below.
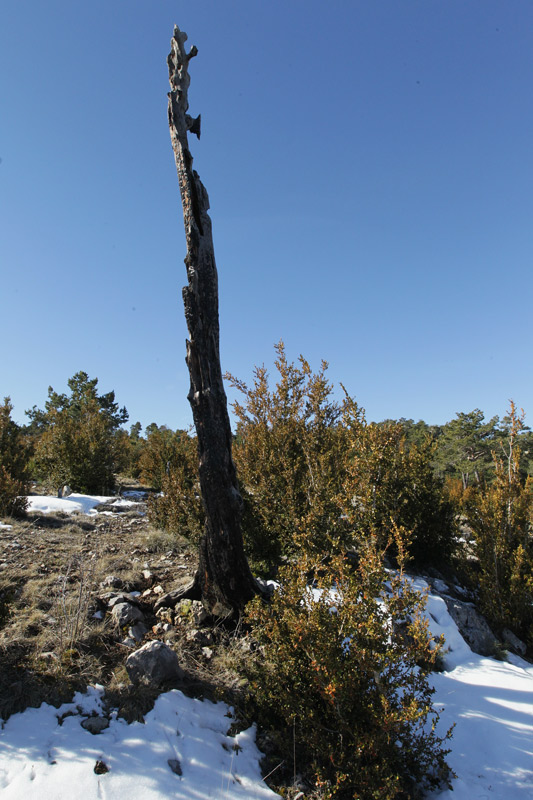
(223, 580)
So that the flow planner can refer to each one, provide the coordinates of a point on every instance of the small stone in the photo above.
(101, 768)
(207, 652)
(199, 614)
(158, 589)
(113, 581)
(113, 599)
(165, 615)
(192, 610)
(175, 766)
(154, 663)
(146, 592)
(126, 613)
(95, 725)
(138, 631)
(147, 575)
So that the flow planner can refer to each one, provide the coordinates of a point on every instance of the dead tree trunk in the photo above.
(223, 580)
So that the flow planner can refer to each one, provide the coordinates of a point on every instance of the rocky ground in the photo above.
(78, 596)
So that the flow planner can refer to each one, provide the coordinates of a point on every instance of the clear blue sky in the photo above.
(369, 165)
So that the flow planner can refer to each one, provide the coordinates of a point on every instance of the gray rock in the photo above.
(112, 598)
(165, 615)
(95, 724)
(513, 642)
(112, 506)
(198, 612)
(112, 581)
(193, 611)
(170, 599)
(155, 664)
(175, 766)
(138, 631)
(126, 614)
(472, 626)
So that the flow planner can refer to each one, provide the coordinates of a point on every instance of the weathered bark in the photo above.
(223, 580)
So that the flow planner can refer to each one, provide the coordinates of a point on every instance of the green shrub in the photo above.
(14, 456)
(170, 463)
(501, 517)
(388, 484)
(163, 452)
(464, 448)
(340, 679)
(289, 455)
(78, 437)
(13, 502)
(314, 474)
(178, 509)
(134, 446)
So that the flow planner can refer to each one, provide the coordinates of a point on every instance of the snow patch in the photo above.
(44, 753)
(73, 504)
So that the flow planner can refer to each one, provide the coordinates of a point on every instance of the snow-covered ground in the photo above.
(74, 503)
(490, 701)
(41, 758)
